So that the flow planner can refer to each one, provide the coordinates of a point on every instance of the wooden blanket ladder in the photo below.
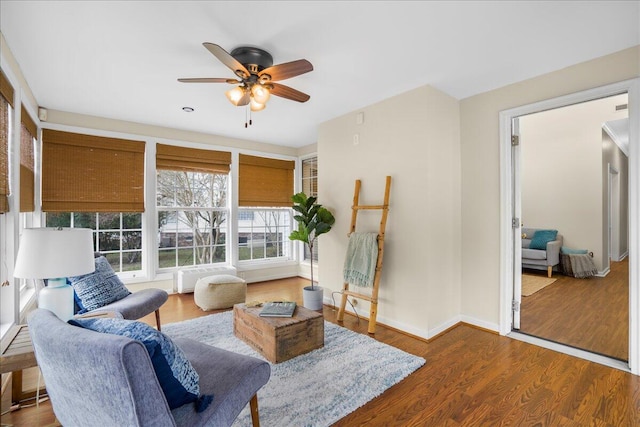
(346, 293)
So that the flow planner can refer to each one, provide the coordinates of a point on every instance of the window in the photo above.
(264, 217)
(118, 236)
(310, 188)
(192, 214)
(310, 176)
(264, 234)
(6, 116)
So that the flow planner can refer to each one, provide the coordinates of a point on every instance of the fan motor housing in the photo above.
(253, 58)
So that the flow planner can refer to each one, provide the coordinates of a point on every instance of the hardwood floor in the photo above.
(471, 378)
(591, 314)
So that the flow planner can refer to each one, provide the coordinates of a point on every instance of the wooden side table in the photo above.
(17, 354)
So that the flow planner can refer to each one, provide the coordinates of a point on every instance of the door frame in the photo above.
(613, 214)
(632, 87)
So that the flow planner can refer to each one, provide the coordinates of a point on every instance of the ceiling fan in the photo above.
(256, 76)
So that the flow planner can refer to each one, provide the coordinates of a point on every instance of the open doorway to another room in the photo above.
(573, 179)
(550, 181)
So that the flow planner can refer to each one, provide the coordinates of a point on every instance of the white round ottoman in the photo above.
(219, 291)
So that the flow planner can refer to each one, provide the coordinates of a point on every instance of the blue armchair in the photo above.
(138, 304)
(98, 379)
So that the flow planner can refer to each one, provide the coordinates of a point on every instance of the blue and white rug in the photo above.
(317, 388)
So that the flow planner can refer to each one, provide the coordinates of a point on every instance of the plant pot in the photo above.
(312, 299)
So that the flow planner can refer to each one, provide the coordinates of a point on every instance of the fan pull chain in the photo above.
(247, 113)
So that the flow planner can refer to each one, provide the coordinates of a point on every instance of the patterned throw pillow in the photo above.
(99, 288)
(177, 377)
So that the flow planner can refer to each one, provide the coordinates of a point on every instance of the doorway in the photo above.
(598, 243)
(566, 163)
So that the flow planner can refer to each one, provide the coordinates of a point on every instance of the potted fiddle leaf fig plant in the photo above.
(313, 220)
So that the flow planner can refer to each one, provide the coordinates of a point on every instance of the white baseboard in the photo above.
(422, 333)
(480, 323)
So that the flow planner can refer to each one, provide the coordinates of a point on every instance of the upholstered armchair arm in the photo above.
(553, 252)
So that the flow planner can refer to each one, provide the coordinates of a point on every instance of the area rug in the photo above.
(532, 284)
(317, 388)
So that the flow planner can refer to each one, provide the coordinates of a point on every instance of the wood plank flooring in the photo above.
(591, 314)
(471, 378)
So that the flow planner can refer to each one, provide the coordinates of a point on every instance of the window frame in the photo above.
(224, 225)
(123, 274)
(288, 247)
(304, 252)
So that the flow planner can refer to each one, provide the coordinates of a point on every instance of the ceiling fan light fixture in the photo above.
(260, 93)
(256, 106)
(235, 95)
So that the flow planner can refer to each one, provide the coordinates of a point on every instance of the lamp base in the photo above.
(57, 297)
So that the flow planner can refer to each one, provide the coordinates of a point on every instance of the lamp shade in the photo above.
(49, 253)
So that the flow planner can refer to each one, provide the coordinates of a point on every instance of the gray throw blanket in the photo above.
(360, 261)
(582, 266)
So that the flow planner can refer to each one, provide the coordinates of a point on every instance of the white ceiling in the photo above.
(121, 60)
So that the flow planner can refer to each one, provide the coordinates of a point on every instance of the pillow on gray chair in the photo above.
(97, 289)
(177, 377)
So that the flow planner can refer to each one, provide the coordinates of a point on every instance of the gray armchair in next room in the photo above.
(541, 249)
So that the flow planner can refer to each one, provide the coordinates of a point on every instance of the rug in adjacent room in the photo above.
(317, 388)
(532, 284)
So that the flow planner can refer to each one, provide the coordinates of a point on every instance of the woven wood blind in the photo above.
(265, 182)
(28, 130)
(6, 89)
(171, 157)
(4, 154)
(84, 173)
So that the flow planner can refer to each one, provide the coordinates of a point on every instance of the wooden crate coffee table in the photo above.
(279, 338)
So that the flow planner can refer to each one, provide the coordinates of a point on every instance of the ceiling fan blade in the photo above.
(288, 93)
(227, 60)
(210, 80)
(287, 70)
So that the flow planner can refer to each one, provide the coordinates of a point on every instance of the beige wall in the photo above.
(561, 173)
(480, 148)
(414, 138)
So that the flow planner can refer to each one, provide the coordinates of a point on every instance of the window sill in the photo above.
(27, 296)
(261, 264)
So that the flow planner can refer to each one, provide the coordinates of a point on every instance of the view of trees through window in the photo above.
(192, 214)
(264, 233)
(118, 236)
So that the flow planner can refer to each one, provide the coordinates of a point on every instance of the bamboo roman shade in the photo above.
(265, 182)
(28, 132)
(6, 90)
(171, 157)
(85, 173)
(6, 99)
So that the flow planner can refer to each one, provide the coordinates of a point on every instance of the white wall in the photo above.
(480, 147)
(561, 173)
(414, 138)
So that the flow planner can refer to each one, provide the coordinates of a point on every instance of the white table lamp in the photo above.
(55, 254)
